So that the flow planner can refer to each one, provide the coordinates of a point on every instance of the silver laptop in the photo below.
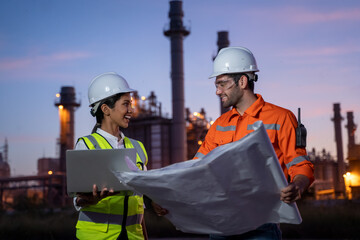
(84, 168)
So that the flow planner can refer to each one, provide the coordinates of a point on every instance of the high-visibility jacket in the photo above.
(107, 218)
(280, 125)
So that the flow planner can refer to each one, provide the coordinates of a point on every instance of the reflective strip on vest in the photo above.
(267, 126)
(93, 141)
(105, 218)
(199, 155)
(225, 129)
(96, 141)
(101, 140)
(135, 144)
(297, 160)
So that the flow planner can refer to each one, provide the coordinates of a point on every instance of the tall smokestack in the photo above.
(176, 34)
(6, 150)
(67, 105)
(351, 127)
(223, 42)
(339, 185)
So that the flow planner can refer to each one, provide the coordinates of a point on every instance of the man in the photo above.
(234, 69)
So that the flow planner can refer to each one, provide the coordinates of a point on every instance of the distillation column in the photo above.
(67, 104)
(339, 184)
(353, 155)
(176, 33)
(351, 127)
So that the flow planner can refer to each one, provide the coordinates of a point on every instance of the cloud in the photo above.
(302, 15)
(290, 15)
(9, 64)
(321, 51)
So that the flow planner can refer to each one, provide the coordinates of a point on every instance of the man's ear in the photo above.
(106, 110)
(243, 82)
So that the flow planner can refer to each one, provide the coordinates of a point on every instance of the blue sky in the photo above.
(308, 53)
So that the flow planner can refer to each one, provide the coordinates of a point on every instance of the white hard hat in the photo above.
(107, 85)
(234, 60)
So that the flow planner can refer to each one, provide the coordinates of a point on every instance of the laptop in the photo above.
(84, 168)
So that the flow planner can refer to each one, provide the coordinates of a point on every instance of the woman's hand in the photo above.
(159, 210)
(86, 199)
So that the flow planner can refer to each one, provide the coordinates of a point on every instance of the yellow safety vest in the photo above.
(105, 219)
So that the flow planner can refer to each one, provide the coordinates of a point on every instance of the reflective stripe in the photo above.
(138, 149)
(297, 160)
(86, 142)
(101, 140)
(225, 129)
(199, 155)
(92, 139)
(273, 126)
(105, 218)
(141, 156)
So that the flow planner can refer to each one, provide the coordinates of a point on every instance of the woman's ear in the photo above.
(106, 110)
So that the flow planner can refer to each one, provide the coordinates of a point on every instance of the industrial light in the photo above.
(61, 107)
(57, 95)
(347, 175)
(143, 98)
(199, 142)
(50, 172)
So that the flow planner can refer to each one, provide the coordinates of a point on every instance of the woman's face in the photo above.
(122, 111)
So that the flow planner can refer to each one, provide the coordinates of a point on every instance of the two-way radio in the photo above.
(300, 133)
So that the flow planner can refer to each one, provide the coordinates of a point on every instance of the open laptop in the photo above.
(84, 168)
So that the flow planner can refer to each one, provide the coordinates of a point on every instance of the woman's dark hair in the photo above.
(99, 114)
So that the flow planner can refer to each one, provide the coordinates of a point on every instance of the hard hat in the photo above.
(234, 60)
(107, 85)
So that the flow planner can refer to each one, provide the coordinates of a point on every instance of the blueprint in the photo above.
(233, 189)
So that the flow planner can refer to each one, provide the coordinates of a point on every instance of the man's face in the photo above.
(229, 93)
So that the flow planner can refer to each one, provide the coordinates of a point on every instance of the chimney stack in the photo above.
(67, 104)
(176, 33)
(351, 127)
(339, 184)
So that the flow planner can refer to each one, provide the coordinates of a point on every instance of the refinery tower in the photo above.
(66, 103)
(176, 33)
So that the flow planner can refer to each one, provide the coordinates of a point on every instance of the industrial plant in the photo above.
(176, 139)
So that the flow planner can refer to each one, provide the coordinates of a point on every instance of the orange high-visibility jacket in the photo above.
(280, 125)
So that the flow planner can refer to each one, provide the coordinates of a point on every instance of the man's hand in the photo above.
(86, 199)
(159, 210)
(295, 189)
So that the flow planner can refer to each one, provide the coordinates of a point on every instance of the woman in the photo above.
(109, 215)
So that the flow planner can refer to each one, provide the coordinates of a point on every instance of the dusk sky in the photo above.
(308, 53)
